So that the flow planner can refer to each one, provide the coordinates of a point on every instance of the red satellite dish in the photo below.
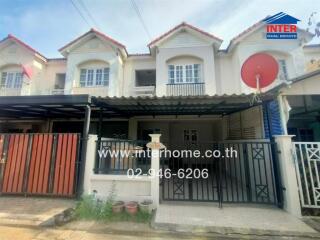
(259, 70)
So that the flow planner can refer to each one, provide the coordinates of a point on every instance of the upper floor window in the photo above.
(189, 73)
(145, 78)
(283, 73)
(94, 77)
(60, 81)
(11, 80)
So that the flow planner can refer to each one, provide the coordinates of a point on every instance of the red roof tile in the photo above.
(183, 24)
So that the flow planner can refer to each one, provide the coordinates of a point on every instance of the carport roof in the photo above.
(73, 106)
(174, 105)
(44, 106)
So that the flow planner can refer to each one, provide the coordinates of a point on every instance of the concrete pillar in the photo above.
(133, 129)
(155, 146)
(282, 114)
(89, 163)
(288, 174)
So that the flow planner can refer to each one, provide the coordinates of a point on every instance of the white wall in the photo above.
(220, 70)
(94, 51)
(14, 55)
(206, 54)
(131, 65)
(310, 86)
(126, 189)
(229, 65)
(172, 130)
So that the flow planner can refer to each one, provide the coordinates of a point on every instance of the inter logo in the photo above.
(281, 26)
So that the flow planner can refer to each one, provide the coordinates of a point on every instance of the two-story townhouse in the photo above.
(185, 88)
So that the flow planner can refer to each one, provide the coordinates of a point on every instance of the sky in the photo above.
(48, 25)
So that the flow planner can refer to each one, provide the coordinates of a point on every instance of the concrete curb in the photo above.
(184, 228)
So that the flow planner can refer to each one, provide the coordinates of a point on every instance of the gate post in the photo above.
(288, 174)
(155, 145)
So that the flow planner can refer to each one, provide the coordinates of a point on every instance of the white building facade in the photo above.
(186, 88)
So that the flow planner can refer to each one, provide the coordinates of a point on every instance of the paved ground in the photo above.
(31, 211)
(231, 218)
(20, 219)
(116, 231)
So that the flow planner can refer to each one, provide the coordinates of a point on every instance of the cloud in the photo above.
(48, 25)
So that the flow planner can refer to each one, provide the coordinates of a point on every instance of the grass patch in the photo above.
(90, 208)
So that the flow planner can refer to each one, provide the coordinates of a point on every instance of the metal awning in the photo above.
(44, 106)
(173, 105)
(73, 106)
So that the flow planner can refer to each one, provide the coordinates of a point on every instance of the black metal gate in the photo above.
(245, 172)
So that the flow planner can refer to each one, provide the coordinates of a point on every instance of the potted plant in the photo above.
(132, 208)
(117, 207)
(146, 206)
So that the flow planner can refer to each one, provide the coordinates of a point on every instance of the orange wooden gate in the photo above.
(39, 164)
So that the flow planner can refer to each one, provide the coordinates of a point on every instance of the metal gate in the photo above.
(307, 156)
(39, 164)
(251, 175)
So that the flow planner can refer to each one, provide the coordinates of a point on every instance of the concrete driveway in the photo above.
(31, 211)
(232, 218)
(84, 230)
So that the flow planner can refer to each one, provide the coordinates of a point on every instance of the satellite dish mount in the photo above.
(259, 71)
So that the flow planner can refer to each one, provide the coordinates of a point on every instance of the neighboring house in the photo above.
(186, 88)
(312, 57)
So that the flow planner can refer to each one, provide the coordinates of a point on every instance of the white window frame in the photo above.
(11, 80)
(171, 74)
(94, 77)
(189, 133)
(181, 74)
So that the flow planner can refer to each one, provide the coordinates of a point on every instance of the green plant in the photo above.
(106, 211)
(87, 208)
(92, 208)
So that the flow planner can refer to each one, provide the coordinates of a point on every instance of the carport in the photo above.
(43, 163)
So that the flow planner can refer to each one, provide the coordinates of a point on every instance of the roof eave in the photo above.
(26, 46)
(66, 49)
(168, 34)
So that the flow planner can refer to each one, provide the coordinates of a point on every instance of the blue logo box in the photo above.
(281, 35)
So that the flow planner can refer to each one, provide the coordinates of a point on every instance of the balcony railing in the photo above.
(144, 90)
(185, 89)
(57, 92)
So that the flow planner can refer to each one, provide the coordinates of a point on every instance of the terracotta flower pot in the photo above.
(118, 207)
(146, 206)
(132, 208)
